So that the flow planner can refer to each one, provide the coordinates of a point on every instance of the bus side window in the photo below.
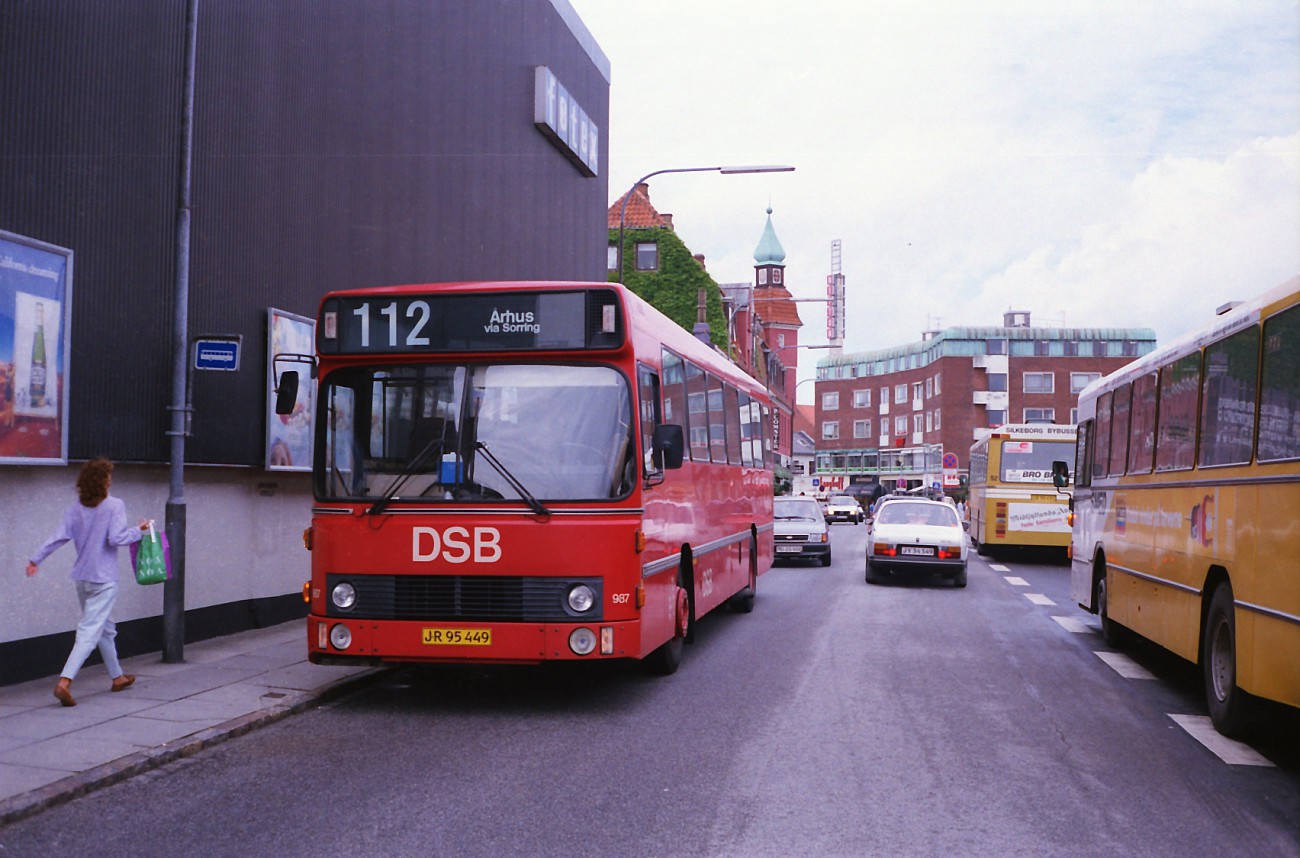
(1279, 417)
(647, 383)
(1083, 455)
(1228, 399)
(1101, 443)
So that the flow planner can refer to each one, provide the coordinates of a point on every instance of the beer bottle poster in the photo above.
(35, 292)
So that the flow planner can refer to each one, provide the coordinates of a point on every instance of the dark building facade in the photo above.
(336, 144)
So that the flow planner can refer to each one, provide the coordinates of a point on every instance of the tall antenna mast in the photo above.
(835, 300)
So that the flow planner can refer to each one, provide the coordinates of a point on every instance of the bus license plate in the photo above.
(456, 637)
(921, 550)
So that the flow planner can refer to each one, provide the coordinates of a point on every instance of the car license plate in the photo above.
(920, 550)
(788, 549)
(456, 637)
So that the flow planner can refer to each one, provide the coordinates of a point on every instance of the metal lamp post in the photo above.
(726, 171)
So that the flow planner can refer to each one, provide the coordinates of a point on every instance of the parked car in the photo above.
(800, 529)
(915, 533)
(844, 508)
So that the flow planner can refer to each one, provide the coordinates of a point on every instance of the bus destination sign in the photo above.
(470, 322)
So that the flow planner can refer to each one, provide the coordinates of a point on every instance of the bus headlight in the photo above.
(344, 595)
(581, 641)
(340, 636)
(581, 598)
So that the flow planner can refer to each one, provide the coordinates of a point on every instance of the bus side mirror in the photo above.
(668, 445)
(286, 393)
(1060, 474)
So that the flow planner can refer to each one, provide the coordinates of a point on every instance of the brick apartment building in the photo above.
(890, 415)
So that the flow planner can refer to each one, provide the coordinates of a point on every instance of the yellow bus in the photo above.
(1187, 506)
(1012, 498)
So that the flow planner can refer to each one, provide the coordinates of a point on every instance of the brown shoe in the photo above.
(123, 682)
(62, 692)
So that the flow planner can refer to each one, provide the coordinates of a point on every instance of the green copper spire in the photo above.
(769, 250)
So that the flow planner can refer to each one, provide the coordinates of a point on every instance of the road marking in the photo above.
(1070, 624)
(998, 567)
(1016, 582)
(1124, 666)
(1232, 752)
(1039, 599)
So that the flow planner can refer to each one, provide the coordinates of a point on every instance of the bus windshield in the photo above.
(1031, 461)
(425, 432)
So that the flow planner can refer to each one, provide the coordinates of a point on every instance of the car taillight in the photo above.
(886, 550)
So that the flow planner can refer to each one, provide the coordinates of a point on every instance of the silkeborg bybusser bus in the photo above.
(1187, 506)
(1012, 497)
(521, 472)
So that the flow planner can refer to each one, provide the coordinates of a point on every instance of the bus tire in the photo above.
(665, 660)
(1226, 702)
(1112, 632)
(743, 602)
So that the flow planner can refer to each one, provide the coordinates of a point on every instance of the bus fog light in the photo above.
(340, 636)
(581, 641)
(581, 598)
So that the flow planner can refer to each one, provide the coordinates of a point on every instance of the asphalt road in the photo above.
(839, 718)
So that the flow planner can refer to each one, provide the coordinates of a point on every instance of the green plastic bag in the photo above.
(151, 558)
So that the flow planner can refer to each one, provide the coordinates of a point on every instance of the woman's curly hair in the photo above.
(92, 484)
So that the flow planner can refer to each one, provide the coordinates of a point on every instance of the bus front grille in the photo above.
(462, 598)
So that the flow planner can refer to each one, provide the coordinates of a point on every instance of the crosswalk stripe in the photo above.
(1232, 752)
(1124, 666)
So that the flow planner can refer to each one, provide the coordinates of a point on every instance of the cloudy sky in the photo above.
(1100, 164)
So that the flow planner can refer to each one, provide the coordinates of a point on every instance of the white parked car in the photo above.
(916, 533)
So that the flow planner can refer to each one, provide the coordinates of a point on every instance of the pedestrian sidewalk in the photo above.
(227, 686)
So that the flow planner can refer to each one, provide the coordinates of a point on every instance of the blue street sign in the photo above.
(215, 354)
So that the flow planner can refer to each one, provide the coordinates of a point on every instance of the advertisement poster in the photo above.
(35, 321)
(289, 436)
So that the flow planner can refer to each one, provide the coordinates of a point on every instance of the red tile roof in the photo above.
(640, 214)
(775, 306)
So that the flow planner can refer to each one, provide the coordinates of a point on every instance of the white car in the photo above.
(800, 530)
(916, 533)
(844, 508)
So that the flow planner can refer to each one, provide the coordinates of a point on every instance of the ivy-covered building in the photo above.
(756, 324)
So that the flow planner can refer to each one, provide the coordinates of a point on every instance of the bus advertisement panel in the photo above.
(1012, 498)
(1187, 510)
(522, 472)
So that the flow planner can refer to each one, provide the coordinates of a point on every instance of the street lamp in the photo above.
(726, 171)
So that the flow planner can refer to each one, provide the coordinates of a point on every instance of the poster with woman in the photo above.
(289, 436)
(35, 321)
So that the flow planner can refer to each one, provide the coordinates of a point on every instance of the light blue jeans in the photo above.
(96, 629)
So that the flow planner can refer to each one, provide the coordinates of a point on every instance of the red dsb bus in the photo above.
(522, 472)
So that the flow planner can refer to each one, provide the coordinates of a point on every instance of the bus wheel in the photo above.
(743, 602)
(667, 658)
(1226, 702)
(1112, 632)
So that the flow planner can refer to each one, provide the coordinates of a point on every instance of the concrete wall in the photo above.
(244, 541)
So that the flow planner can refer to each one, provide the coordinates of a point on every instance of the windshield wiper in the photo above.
(400, 480)
(533, 503)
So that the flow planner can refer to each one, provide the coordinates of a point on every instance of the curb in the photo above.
(83, 783)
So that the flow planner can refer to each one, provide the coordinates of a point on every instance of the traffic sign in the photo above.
(217, 353)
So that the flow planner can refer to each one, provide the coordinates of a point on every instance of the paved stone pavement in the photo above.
(50, 754)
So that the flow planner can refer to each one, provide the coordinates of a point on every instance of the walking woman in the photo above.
(96, 525)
